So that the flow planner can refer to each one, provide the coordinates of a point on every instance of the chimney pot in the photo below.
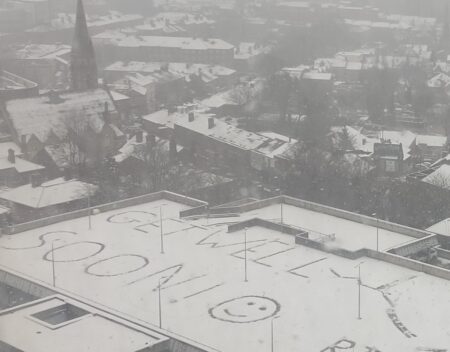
(11, 156)
(151, 139)
(36, 181)
(139, 137)
(210, 122)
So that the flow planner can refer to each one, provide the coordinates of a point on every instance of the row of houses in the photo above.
(222, 144)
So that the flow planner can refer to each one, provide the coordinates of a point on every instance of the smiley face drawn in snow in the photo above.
(246, 309)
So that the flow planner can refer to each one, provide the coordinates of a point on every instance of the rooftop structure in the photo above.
(58, 323)
(49, 193)
(205, 292)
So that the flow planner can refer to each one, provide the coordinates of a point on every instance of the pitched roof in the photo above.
(40, 117)
(54, 192)
(21, 165)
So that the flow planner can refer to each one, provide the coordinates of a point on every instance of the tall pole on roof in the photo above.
(245, 254)
(271, 333)
(359, 290)
(159, 302)
(89, 207)
(161, 229)
(281, 208)
(377, 227)
(53, 264)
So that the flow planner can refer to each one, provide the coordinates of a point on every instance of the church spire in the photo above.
(83, 67)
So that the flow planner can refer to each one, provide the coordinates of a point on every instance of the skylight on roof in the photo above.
(60, 314)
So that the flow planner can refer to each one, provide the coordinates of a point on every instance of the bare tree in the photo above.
(76, 126)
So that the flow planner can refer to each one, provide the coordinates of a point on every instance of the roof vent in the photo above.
(191, 116)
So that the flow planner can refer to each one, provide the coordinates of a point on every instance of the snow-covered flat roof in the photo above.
(91, 332)
(204, 296)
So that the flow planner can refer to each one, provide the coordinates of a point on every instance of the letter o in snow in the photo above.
(74, 252)
(117, 265)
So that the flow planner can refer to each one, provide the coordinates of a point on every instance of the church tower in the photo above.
(83, 68)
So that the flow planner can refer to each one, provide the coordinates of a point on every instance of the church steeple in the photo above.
(83, 68)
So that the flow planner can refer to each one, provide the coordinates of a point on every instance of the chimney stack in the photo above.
(36, 180)
(173, 150)
(11, 156)
(106, 114)
(191, 116)
(139, 136)
(151, 139)
(67, 174)
(210, 122)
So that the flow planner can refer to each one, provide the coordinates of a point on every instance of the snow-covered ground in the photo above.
(313, 295)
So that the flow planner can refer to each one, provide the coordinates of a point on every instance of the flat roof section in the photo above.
(310, 296)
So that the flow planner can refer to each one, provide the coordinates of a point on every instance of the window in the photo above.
(391, 166)
(61, 314)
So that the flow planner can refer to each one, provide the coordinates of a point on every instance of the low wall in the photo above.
(443, 253)
(147, 198)
(304, 241)
(414, 247)
(24, 285)
(266, 224)
(201, 210)
(362, 219)
(409, 263)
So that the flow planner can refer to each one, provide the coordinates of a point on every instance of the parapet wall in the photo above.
(24, 285)
(266, 224)
(151, 197)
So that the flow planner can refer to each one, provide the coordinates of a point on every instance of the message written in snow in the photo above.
(349, 345)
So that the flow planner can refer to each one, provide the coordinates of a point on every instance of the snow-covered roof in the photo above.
(111, 334)
(441, 80)
(20, 165)
(295, 4)
(124, 40)
(440, 177)
(173, 67)
(230, 134)
(161, 117)
(40, 117)
(431, 140)
(42, 51)
(204, 296)
(133, 148)
(5, 146)
(54, 192)
(67, 20)
(246, 50)
(10, 81)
